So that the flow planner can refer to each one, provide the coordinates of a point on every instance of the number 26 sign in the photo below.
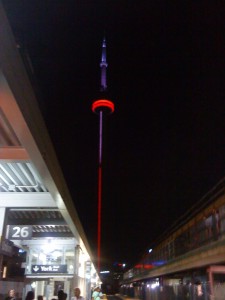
(19, 232)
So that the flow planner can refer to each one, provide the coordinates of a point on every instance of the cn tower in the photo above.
(101, 107)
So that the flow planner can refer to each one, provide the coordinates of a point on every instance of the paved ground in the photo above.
(119, 297)
(114, 297)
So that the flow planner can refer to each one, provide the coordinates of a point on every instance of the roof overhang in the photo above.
(30, 175)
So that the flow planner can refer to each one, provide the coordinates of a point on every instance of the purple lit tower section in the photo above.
(103, 66)
(101, 107)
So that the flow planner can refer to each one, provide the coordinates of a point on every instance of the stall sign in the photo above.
(19, 232)
(49, 269)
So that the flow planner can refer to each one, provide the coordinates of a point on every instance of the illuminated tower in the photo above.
(101, 107)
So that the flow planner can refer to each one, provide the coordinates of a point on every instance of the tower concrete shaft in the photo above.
(101, 107)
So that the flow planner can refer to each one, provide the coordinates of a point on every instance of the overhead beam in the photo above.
(52, 234)
(27, 200)
(13, 153)
(41, 222)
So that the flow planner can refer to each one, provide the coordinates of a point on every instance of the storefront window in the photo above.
(52, 255)
(34, 257)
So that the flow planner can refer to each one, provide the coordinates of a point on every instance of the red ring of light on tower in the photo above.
(103, 104)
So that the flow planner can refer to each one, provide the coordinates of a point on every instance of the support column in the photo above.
(88, 280)
(76, 267)
(2, 223)
(210, 274)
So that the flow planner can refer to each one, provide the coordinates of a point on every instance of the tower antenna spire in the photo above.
(103, 66)
(102, 107)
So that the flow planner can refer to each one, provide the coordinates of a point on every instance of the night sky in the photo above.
(164, 147)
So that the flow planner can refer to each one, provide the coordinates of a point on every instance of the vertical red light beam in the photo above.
(99, 214)
(99, 190)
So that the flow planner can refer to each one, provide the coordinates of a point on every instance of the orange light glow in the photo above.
(139, 266)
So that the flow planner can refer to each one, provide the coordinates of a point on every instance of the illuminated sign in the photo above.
(19, 232)
(49, 268)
